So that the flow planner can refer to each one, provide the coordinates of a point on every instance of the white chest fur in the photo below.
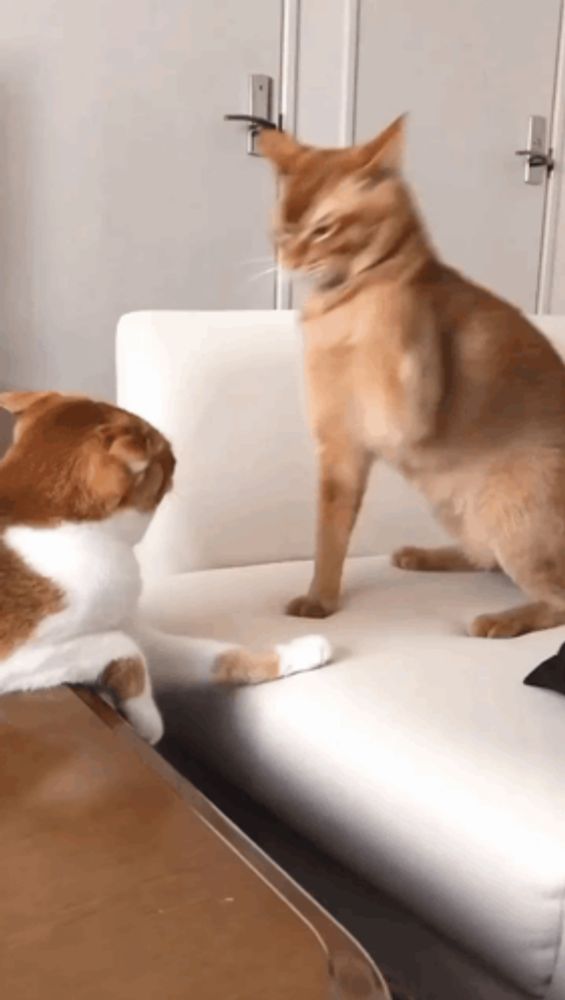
(94, 566)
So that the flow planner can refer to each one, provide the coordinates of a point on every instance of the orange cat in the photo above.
(78, 488)
(410, 362)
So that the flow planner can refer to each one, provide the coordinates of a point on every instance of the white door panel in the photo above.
(470, 73)
(123, 188)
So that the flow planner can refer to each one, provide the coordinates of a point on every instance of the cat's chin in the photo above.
(319, 279)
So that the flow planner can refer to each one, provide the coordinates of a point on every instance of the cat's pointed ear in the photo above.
(112, 462)
(126, 443)
(126, 466)
(18, 402)
(281, 148)
(108, 480)
(386, 151)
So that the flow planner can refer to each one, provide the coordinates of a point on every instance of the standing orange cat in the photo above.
(410, 362)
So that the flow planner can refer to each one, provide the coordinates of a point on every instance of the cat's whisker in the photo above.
(263, 274)
(257, 262)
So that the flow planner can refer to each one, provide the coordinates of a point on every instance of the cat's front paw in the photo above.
(145, 718)
(304, 653)
(309, 607)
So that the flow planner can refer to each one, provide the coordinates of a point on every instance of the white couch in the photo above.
(418, 759)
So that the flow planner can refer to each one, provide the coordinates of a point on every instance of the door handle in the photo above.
(259, 114)
(255, 120)
(539, 161)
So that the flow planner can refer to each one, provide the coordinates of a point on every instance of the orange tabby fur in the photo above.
(409, 361)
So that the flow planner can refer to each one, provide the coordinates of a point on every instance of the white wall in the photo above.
(89, 101)
(104, 196)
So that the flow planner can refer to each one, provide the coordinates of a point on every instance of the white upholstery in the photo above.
(418, 759)
(227, 389)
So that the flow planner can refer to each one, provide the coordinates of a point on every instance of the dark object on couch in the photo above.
(550, 674)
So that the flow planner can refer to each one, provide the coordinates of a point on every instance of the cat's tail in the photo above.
(242, 666)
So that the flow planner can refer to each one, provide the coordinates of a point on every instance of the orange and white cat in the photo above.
(78, 488)
(409, 361)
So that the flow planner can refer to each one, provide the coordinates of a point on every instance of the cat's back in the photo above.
(500, 369)
(482, 325)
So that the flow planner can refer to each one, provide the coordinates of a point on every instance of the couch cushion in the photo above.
(418, 758)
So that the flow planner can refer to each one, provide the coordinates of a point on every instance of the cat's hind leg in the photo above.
(540, 573)
(526, 519)
(446, 559)
(518, 621)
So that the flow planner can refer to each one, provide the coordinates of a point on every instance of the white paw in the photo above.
(306, 653)
(145, 718)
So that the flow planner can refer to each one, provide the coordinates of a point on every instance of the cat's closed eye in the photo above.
(320, 232)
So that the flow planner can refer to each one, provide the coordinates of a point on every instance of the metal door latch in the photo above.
(539, 161)
(259, 115)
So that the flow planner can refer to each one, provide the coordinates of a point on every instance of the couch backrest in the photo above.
(227, 389)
